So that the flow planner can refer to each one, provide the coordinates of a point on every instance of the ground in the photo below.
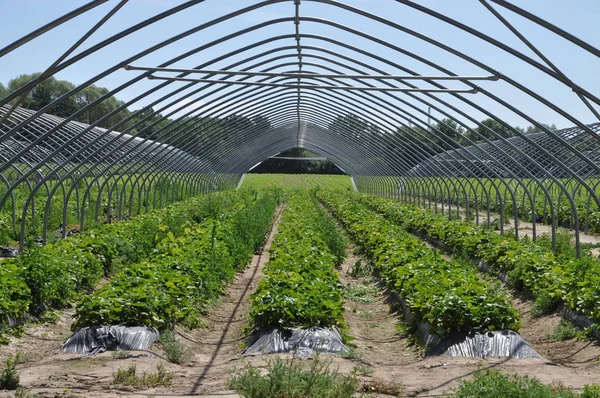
(384, 358)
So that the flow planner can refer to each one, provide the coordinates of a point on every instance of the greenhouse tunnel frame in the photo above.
(301, 91)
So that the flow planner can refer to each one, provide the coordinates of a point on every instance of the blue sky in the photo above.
(578, 17)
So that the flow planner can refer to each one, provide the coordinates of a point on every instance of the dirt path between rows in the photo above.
(218, 347)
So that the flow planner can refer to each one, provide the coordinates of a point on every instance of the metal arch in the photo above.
(570, 156)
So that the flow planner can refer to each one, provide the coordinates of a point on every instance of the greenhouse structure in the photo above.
(482, 117)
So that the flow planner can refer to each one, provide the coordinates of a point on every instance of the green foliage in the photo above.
(288, 181)
(544, 304)
(287, 162)
(173, 348)
(300, 287)
(15, 295)
(565, 330)
(494, 384)
(288, 379)
(186, 273)
(552, 277)
(56, 274)
(361, 293)
(360, 269)
(9, 378)
(129, 377)
(590, 391)
(447, 294)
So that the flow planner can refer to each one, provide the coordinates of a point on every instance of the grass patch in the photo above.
(25, 393)
(174, 350)
(361, 293)
(129, 377)
(494, 384)
(9, 378)
(363, 371)
(121, 354)
(351, 354)
(566, 330)
(364, 314)
(360, 269)
(288, 379)
(544, 305)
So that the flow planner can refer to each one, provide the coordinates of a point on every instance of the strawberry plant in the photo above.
(552, 278)
(447, 295)
(301, 287)
(187, 273)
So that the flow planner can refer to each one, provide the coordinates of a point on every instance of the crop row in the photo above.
(301, 287)
(186, 273)
(552, 278)
(447, 294)
(56, 274)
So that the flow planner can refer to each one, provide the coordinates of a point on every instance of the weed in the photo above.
(9, 378)
(351, 354)
(173, 348)
(544, 304)
(366, 314)
(565, 330)
(129, 377)
(288, 379)
(590, 391)
(22, 357)
(363, 371)
(403, 328)
(494, 384)
(361, 269)
(25, 393)
(360, 293)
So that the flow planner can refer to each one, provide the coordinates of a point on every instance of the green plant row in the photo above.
(447, 294)
(56, 274)
(187, 272)
(552, 278)
(300, 287)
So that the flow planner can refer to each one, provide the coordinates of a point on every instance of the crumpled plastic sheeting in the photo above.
(492, 344)
(97, 339)
(313, 339)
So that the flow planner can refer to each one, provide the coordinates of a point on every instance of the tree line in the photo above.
(438, 137)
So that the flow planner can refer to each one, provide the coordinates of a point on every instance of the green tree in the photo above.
(44, 93)
(451, 134)
(535, 129)
(415, 145)
(497, 129)
(3, 91)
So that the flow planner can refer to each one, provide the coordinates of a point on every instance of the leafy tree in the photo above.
(3, 91)
(535, 129)
(415, 145)
(44, 93)
(498, 129)
(451, 134)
